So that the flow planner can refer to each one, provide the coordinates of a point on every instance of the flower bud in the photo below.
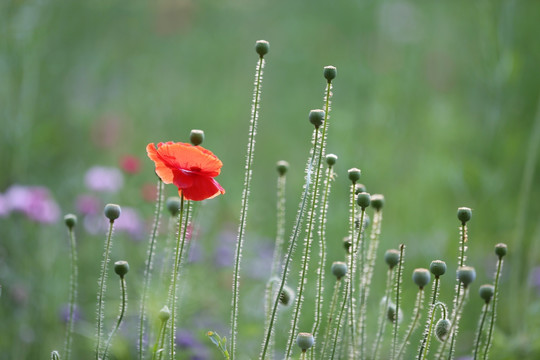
(286, 296)
(70, 220)
(437, 268)
(464, 214)
(330, 73)
(262, 47)
(173, 205)
(316, 117)
(305, 341)
(347, 244)
(391, 257)
(121, 268)
(55, 355)
(363, 200)
(442, 328)
(500, 250)
(466, 274)
(331, 159)
(354, 175)
(486, 292)
(164, 313)
(339, 269)
(421, 277)
(282, 166)
(377, 201)
(196, 137)
(391, 313)
(112, 211)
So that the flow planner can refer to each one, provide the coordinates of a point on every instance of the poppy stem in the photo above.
(180, 242)
(123, 307)
(148, 268)
(72, 293)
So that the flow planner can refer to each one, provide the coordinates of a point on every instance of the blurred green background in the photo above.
(437, 102)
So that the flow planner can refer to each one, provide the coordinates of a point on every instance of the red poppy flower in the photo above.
(191, 168)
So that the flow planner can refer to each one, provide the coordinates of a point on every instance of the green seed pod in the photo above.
(70, 220)
(282, 167)
(500, 250)
(359, 188)
(354, 174)
(421, 277)
(377, 201)
(196, 137)
(173, 205)
(466, 274)
(464, 214)
(112, 211)
(363, 200)
(437, 268)
(391, 257)
(262, 47)
(121, 268)
(331, 159)
(442, 328)
(286, 296)
(486, 292)
(164, 313)
(305, 341)
(330, 73)
(316, 117)
(339, 269)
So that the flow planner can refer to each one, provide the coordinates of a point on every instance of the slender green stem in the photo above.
(148, 268)
(353, 253)
(160, 341)
(493, 308)
(398, 300)
(382, 315)
(432, 315)
(416, 317)
(340, 321)
(120, 317)
(322, 253)
(305, 257)
(290, 250)
(480, 329)
(244, 207)
(330, 316)
(72, 293)
(423, 346)
(102, 287)
(180, 241)
(453, 326)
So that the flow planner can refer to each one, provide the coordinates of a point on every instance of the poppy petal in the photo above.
(189, 157)
(162, 170)
(203, 187)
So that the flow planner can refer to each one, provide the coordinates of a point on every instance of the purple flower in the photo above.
(188, 342)
(534, 278)
(64, 313)
(88, 205)
(130, 221)
(106, 179)
(4, 208)
(33, 201)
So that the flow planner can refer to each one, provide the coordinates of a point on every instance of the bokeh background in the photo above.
(437, 102)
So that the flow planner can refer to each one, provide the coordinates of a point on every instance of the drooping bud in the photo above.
(70, 220)
(196, 137)
(347, 244)
(173, 205)
(286, 296)
(282, 166)
(442, 328)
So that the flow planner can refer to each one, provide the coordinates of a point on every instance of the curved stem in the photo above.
(423, 346)
(148, 268)
(160, 342)
(340, 319)
(382, 315)
(481, 327)
(120, 317)
(493, 308)
(431, 325)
